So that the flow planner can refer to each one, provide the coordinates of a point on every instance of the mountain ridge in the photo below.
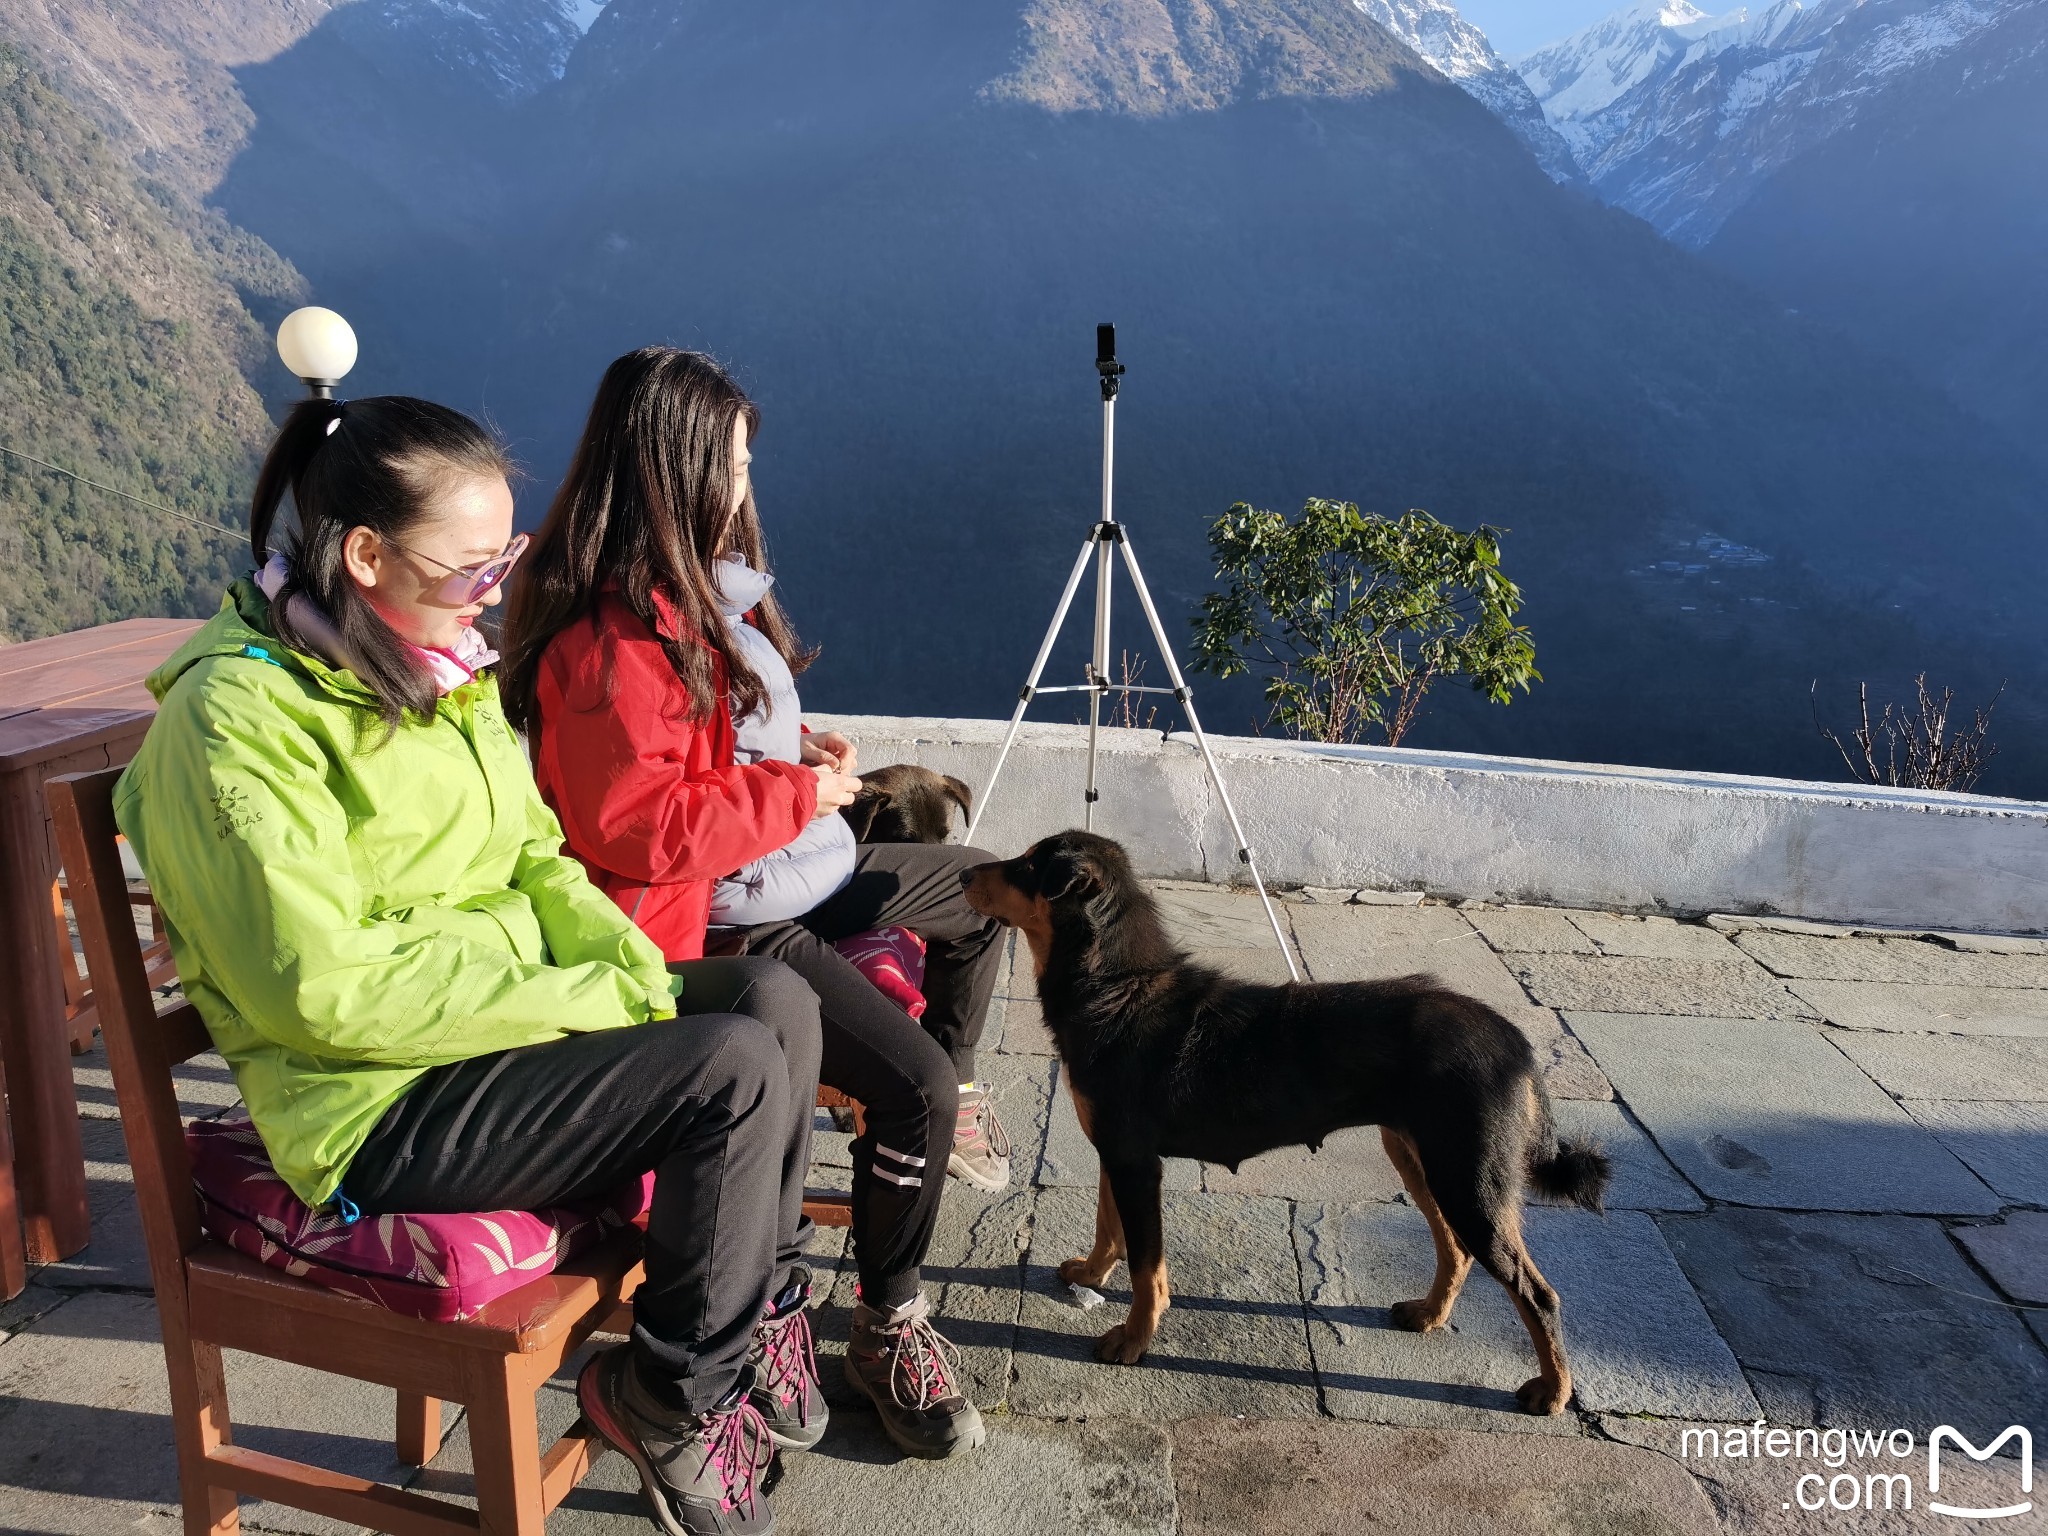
(1680, 116)
(1463, 55)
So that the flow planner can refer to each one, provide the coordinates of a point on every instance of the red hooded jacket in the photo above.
(649, 797)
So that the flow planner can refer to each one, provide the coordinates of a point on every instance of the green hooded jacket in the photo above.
(345, 912)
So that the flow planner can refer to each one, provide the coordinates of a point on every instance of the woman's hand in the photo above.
(835, 789)
(832, 748)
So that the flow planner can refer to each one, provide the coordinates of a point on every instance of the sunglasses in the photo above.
(466, 583)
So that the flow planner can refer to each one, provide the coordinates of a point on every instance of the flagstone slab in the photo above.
(1020, 1028)
(1654, 938)
(1639, 1340)
(2014, 1252)
(1102, 1477)
(1924, 1066)
(1901, 1009)
(1964, 942)
(1644, 1179)
(1325, 895)
(1913, 961)
(34, 1300)
(1356, 1262)
(1369, 943)
(1236, 1476)
(1860, 1321)
(1768, 1113)
(2006, 1145)
(1216, 917)
(1568, 1071)
(1233, 1340)
(1529, 930)
(1735, 989)
(1368, 897)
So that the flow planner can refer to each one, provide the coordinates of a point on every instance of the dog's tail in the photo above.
(1574, 1171)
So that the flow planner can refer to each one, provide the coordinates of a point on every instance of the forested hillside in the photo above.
(127, 346)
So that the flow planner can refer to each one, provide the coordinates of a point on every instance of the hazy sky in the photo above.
(1516, 26)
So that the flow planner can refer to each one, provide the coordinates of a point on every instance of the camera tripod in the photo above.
(1106, 541)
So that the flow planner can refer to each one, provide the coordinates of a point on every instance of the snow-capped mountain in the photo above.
(1577, 80)
(1679, 116)
(1460, 52)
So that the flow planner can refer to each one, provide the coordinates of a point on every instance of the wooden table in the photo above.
(68, 704)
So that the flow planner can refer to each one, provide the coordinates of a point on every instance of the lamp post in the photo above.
(318, 346)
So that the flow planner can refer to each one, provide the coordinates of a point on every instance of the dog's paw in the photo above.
(1417, 1316)
(1543, 1396)
(1083, 1271)
(1122, 1345)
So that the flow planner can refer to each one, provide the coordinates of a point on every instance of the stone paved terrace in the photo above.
(1831, 1209)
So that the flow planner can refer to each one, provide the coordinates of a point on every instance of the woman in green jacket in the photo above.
(426, 1004)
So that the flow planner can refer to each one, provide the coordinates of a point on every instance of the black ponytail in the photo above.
(373, 464)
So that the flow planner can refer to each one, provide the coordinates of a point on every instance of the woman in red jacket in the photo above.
(652, 675)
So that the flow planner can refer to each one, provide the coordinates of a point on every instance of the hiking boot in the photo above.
(899, 1362)
(785, 1361)
(981, 1147)
(701, 1472)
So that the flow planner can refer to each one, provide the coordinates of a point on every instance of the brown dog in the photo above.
(1166, 1058)
(904, 803)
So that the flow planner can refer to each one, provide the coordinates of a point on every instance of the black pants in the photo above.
(905, 1072)
(718, 1102)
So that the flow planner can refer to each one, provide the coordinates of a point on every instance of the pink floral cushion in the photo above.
(442, 1268)
(893, 960)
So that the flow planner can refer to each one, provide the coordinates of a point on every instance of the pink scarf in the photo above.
(450, 666)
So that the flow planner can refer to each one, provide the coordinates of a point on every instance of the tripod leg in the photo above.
(1187, 702)
(1098, 676)
(1105, 571)
(1059, 617)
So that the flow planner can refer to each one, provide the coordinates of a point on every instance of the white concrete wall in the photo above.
(1508, 829)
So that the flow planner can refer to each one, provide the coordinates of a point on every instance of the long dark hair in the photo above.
(648, 503)
(375, 464)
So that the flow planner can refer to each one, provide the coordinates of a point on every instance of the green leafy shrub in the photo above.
(1352, 617)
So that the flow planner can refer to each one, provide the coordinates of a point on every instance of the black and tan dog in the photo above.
(904, 803)
(1168, 1059)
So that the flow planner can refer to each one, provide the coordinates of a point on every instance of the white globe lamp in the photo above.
(318, 346)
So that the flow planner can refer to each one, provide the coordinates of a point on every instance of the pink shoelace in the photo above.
(739, 1449)
(789, 1359)
(924, 1362)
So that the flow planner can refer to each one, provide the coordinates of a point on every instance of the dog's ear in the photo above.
(1063, 874)
(961, 795)
(867, 805)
